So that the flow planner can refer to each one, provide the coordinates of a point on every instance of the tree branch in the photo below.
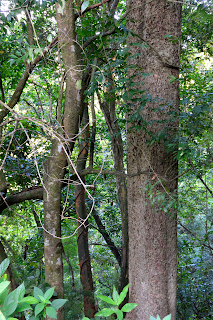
(106, 236)
(20, 87)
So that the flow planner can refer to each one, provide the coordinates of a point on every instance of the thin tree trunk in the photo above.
(54, 173)
(152, 231)
(83, 246)
(108, 110)
(57, 161)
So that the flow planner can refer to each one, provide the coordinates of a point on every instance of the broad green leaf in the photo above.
(85, 318)
(4, 285)
(58, 303)
(3, 266)
(12, 319)
(34, 318)
(3, 295)
(107, 299)
(120, 314)
(39, 307)
(10, 303)
(123, 294)
(30, 300)
(158, 317)
(20, 291)
(22, 306)
(2, 317)
(84, 5)
(106, 312)
(129, 307)
(48, 294)
(36, 292)
(115, 295)
(50, 311)
(152, 318)
(167, 317)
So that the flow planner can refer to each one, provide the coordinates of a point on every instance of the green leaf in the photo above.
(10, 303)
(152, 318)
(4, 285)
(58, 303)
(12, 319)
(107, 299)
(158, 317)
(44, 300)
(100, 46)
(22, 306)
(167, 317)
(85, 318)
(3, 266)
(129, 307)
(20, 291)
(2, 317)
(48, 294)
(36, 292)
(106, 312)
(50, 311)
(30, 300)
(115, 295)
(39, 307)
(123, 294)
(3, 295)
(84, 6)
(120, 314)
(34, 318)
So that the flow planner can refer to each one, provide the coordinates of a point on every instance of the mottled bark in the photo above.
(57, 161)
(152, 231)
(54, 172)
(83, 246)
(108, 110)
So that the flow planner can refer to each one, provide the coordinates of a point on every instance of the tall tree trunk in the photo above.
(57, 161)
(83, 246)
(152, 231)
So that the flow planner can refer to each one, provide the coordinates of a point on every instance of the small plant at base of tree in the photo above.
(116, 300)
(15, 302)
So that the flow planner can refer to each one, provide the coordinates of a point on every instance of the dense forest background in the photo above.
(33, 82)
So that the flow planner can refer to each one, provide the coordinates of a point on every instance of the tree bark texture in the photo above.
(83, 246)
(57, 161)
(54, 173)
(152, 231)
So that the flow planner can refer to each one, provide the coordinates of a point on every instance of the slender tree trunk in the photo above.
(108, 110)
(83, 246)
(57, 161)
(54, 173)
(152, 231)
